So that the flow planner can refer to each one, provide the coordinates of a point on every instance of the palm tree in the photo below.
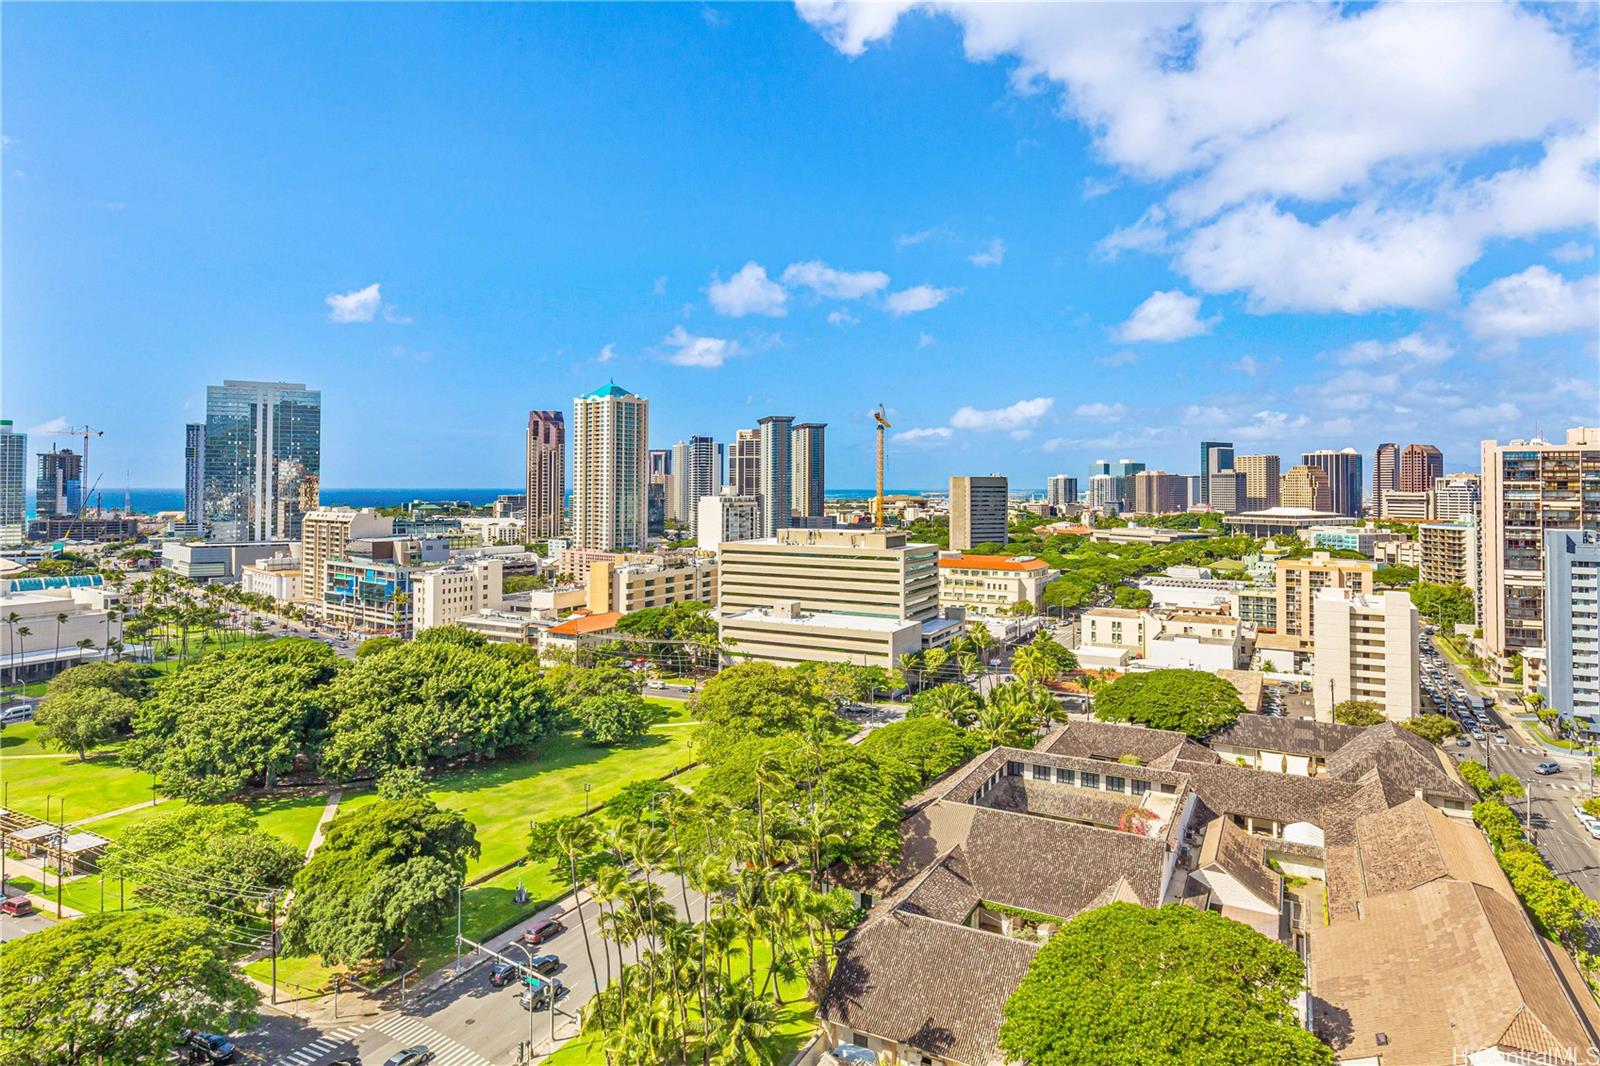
(910, 664)
(742, 1028)
(61, 620)
(84, 645)
(11, 620)
(24, 633)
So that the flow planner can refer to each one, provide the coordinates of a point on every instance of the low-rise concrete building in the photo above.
(442, 595)
(635, 586)
(991, 584)
(34, 646)
(217, 560)
(577, 635)
(786, 635)
(276, 577)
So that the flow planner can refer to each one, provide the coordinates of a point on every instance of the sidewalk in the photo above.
(113, 814)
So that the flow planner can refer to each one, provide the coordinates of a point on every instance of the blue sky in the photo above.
(1039, 235)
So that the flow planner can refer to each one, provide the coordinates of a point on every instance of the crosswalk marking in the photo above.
(447, 1052)
(315, 1050)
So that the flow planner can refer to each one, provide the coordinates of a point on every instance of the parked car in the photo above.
(16, 906)
(1463, 742)
(1547, 768)
(1594, 830)
(16, 714)
(1582, 815)
(654, 684)
(411, 1056)
(502, 974)
(209, 1047)
(545, 930)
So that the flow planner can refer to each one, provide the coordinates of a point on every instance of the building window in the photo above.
(1014, 769)
(1115, 784)
(1065, 776)
(1091, 780)
(1140, 787)
(1041, 773)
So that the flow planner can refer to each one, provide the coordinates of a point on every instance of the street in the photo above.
(466, 1021)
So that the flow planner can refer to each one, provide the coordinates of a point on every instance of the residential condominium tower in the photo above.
(1529, 488)
(775, 472)
(263, 459)
(610, 427)
(1572, 598)
(1061, 490)
(808, 481)
(977, 511)
(699, 477)
(546, 468)
(1344, 478)
(194, 475)
(744, 462)
(13, 470)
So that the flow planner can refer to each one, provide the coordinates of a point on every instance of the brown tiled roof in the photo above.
(944, 891)
(1058, 868)
(1240, 791)
(932, 985)
(1233, 850)
(1109, 740)
(992, 562)
(1443, 970)
(1404, 760)
(1090, 805)
(1413, 843)
(1297, 736)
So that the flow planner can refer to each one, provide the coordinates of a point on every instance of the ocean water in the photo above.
(149, 501)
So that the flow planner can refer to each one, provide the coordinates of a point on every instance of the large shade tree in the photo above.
(1188, 701)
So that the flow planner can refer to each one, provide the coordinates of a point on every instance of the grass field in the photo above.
(91, 787)
(796, 1021)
(23, 739)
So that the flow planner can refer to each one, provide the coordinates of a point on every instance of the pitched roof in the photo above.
(991, 562)
(960, 977)
(606, 391)
(1404, 761)
(1240, 854)
(1237, 790)
(1469, 974)
(585, 623)
(1110, 740)
(1297, 736)
(1091, 805)
(1397, 849)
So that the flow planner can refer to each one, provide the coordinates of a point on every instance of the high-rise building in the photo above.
(1344, 478)
(1420, 466)
(13, 471)
(547, 474)
(775, 472)
(1385, 473)
(1061, 490)
(325, 535)
(978, 508)
(1530, 487)
(610, 428)
(1122, 471)
(1307, 487)
(744, 462)
(263, 459)
(1450, 556)
(1458, 497)
(1228, 492)
(656, 492)
(58, 490)
(1103, 490)
(1572, 597)
(1299, 581)
(1215, 455)
(1260, 481)
(1405, 506)
(726, 517)
(700, 476)
(194, 475)
(1158, 492)
(808, 480)
(1365, 649)
(680, 498)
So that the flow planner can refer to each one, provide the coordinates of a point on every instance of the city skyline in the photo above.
(1088, 294)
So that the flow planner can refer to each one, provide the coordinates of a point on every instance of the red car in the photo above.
(16, 905)
(545, 930)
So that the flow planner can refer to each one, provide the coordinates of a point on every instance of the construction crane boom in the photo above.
(882, 423)
(83, 474)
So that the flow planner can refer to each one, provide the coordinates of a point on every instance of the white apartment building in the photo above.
(990, 584)
(442, 595)
(1194, 640)
(1572, 619)
(277, 577)
(635, 586)
(610, 428)
(1366, 649)
(1407, 506)
(727, 517)
(1457, 497)
(325, 535)
(1449, 554)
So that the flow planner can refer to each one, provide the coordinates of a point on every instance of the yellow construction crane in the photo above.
(882, 424)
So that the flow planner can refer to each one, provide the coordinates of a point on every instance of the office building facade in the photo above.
(978, 511)
(1572, 595)
(1306, 487)
(1215, 456)
(808, 478)
(325, 535)
(1121, 472)
(1228, 492)
(1420, 466)
(1343, 469)
(263, 459)
(442, 595)
(194, 476)
(1158, 492)
(1385, 473)
(1530, 488)
(1061, 490)
(546, 468)
(1457, 498)
(1261, 477)
(58, 489)
(609, 496)
(775, 472)
(13, 471)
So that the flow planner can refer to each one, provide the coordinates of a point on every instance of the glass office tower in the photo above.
(263, 459)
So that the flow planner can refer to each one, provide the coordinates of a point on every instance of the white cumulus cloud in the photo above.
(833, 284)
(608, 353)
(749, 292)
(840, 317)
(358, 306)
(1018, 418)
(1166, 316)
(1534, 303)
(917, 298)
(927, 435)
(687, 349)
(55, 427)
(992, 254)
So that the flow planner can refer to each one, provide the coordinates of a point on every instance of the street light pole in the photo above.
(458, 930)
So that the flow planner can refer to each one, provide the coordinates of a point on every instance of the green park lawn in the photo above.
(94, 786)
(23, 739)
(797, 1020)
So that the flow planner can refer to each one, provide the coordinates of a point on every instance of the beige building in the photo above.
(1158, 492)
(485, 530)
(325, 535)
(1306, 487)
(1299, 581)
(277, 577)
(727, 517)
(1406, 506)
(1449, 554)
(610, 427)
(1530, 487)
(546, 469)
(1260, 481)
(876, 573)
(1227, 492)
(1457, 497)
(1366, 649)
(785, 634)
(629, 587)
(990, 584)
(576, 636)
(978, 511)
(441, 596)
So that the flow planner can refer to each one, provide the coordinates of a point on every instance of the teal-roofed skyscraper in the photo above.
(610, 475)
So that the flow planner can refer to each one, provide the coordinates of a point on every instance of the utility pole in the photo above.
(458, 929)
(61, 847)
(272, 933)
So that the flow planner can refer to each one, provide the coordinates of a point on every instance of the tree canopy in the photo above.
(1431, 727)
(118, 988)
(1189, 701)
(1124, 984)
(928, 745)
(614, 718)
(760, 700)
(385, 875)
(82, 717)
(1447, 605)
(1358, 712)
